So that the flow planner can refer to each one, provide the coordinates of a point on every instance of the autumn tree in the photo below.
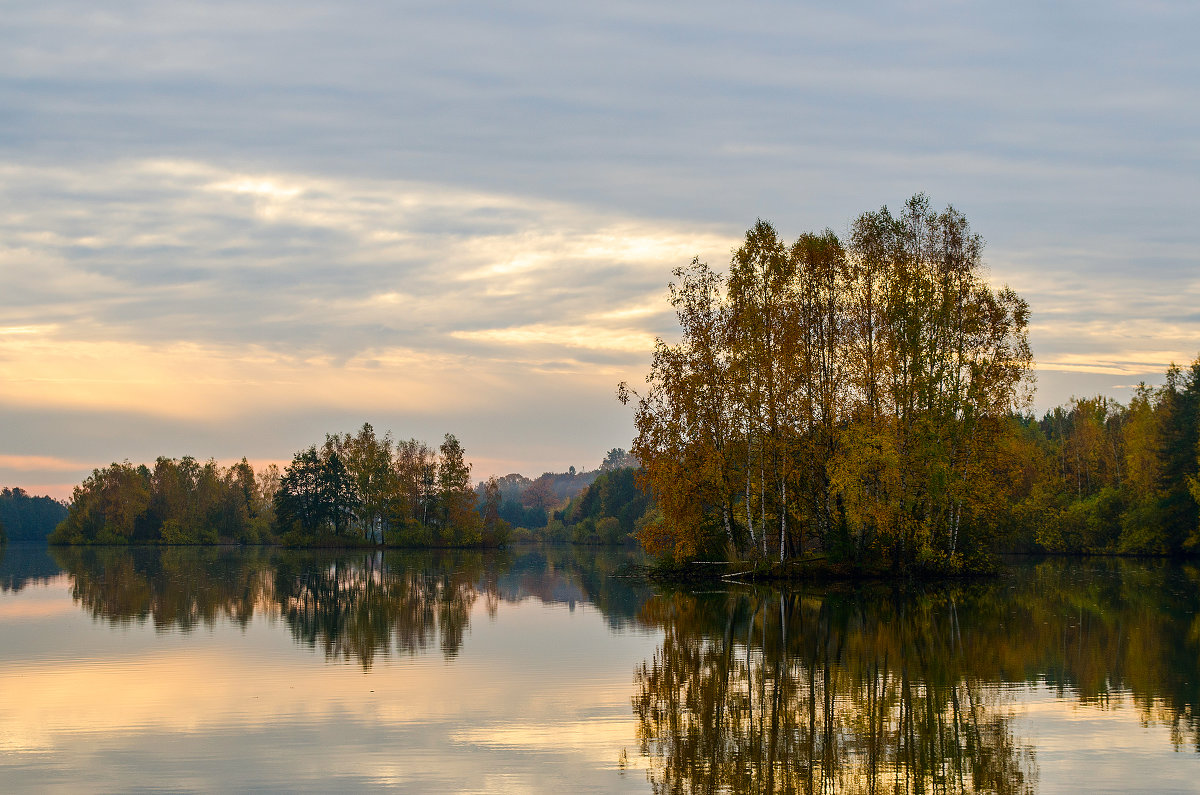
(833, 397)
(106, 506)
(459, 523)
(685, 422)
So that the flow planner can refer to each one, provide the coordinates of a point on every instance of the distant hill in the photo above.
(529, 502)
(27, 519)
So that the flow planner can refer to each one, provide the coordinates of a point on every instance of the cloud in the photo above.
(211, 211)
(170, 250)
(40, 463)
(192, 293)
(632, 341)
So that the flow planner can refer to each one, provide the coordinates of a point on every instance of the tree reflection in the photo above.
(771, 692)
(353, 605)
(757, 692)
(176, 587)
(878, 691)
(854, 691)
(22, 565)
(358, 606)
(1111, 626)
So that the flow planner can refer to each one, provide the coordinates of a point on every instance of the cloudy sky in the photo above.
(227, 228)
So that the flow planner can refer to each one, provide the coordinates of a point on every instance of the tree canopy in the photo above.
(353, 489)
(837, 396)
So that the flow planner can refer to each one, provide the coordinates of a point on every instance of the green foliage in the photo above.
(409, 533)
(1118, 479)
(584, 532)
(171, 532)
(364, 489)
(556, 530)
(608, 530)
(495, 530)
(106, 507)
(607, 511)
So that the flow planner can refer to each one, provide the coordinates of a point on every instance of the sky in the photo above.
(229, 228)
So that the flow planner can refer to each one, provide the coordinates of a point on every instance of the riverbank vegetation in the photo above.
(355, 489)
(606, 512)
(865, 402)
(546, 508)
(174, 501)
(1097, 476)
(843, 397)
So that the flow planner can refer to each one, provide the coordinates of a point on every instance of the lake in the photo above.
(534, 670)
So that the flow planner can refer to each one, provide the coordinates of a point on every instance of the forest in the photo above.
(26, 519)
(1097, 476)
(355, 489)
(867, 401)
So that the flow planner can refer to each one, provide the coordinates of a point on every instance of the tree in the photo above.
(415, 471)
(617, 458)
(495, 529)
(369, 461)
(459, 521)
(298, 501)
(356, 487)
(337, 494)
(685, 422)
(832, 397)
(105, 508)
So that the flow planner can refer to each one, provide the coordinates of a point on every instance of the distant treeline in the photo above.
(609, 511)
(354, 489)
(177, 501)
(603, 506)
(25, 519)
(366, 488)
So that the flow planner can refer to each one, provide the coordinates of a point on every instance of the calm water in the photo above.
(531, 670)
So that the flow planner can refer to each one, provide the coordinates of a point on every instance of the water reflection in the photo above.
(739, 689)
(877, 691)
(783, 693)
(175, 587)
(22, 565)
(353, 605)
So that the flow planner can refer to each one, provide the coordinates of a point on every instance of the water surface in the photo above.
(533, 670)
